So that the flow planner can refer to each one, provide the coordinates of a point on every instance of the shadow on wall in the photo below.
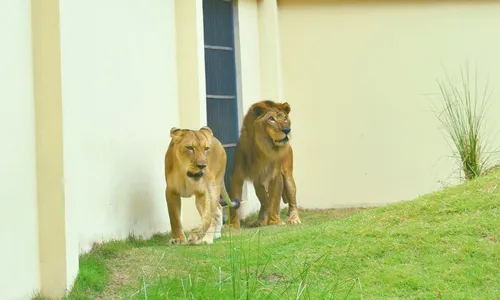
(141, 206)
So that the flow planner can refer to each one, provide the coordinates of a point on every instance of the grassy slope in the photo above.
(443, 244)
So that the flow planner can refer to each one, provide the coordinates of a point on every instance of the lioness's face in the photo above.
(193, 147)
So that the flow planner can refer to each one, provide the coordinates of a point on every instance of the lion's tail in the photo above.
(225, 200)
(224, 194)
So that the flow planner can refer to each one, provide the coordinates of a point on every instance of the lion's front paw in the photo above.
(294, 219)
(276, 222)
(257, 223)
(233, 225)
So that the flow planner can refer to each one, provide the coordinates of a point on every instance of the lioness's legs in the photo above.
(204, 202)
(291, 194)
(215, 214)
(217, 219)
(174, 213)
(275, 190)
(261, 193)
(235, 192)
(218, 222)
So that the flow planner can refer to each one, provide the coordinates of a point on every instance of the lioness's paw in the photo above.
(203, 241)
(207, 240)
(177, 241)
(193, 238)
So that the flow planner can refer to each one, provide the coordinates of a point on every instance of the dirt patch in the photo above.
(334, 213)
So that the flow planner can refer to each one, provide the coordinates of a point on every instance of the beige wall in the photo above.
(119, 102)
(248, 73)
(19, 271)
(357, 76)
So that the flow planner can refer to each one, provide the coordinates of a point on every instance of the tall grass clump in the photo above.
(462, 114)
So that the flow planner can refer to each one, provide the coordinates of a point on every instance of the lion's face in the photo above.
(274, 121)
(191, 149)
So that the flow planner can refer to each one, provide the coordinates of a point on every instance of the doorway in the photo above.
(220, 75)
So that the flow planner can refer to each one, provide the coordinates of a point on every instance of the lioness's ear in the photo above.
(257, 111)
(175, 132)
(207, 130)
(286, 107)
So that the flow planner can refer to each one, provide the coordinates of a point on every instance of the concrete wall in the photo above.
(19, 271)
(119, 102)
(358, 75)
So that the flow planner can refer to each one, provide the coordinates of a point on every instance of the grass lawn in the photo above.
(441, 245)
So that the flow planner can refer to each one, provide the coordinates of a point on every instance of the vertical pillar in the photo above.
(49, 147)
(190, 49)
(270, 52)
(190, 63)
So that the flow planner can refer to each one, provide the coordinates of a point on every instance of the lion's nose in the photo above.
(286, 130)
(201, 166)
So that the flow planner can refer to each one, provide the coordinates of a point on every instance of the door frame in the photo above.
(237, 57)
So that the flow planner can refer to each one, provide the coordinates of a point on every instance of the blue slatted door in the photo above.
(220, 74)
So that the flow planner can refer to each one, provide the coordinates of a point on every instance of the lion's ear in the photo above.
(207, 130)
(175, 132)
(286, 107)
(258, 111)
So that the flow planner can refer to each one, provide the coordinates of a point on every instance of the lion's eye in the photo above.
(272, 119)
(207, 148)
(190, 148)
(286, 119)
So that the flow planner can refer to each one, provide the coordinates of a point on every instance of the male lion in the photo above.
(195, 164)
(264, 156)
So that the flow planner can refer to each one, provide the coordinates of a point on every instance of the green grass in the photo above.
(441, 245)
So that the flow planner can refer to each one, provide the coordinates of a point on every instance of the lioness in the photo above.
(264, 156)
(195, 164)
